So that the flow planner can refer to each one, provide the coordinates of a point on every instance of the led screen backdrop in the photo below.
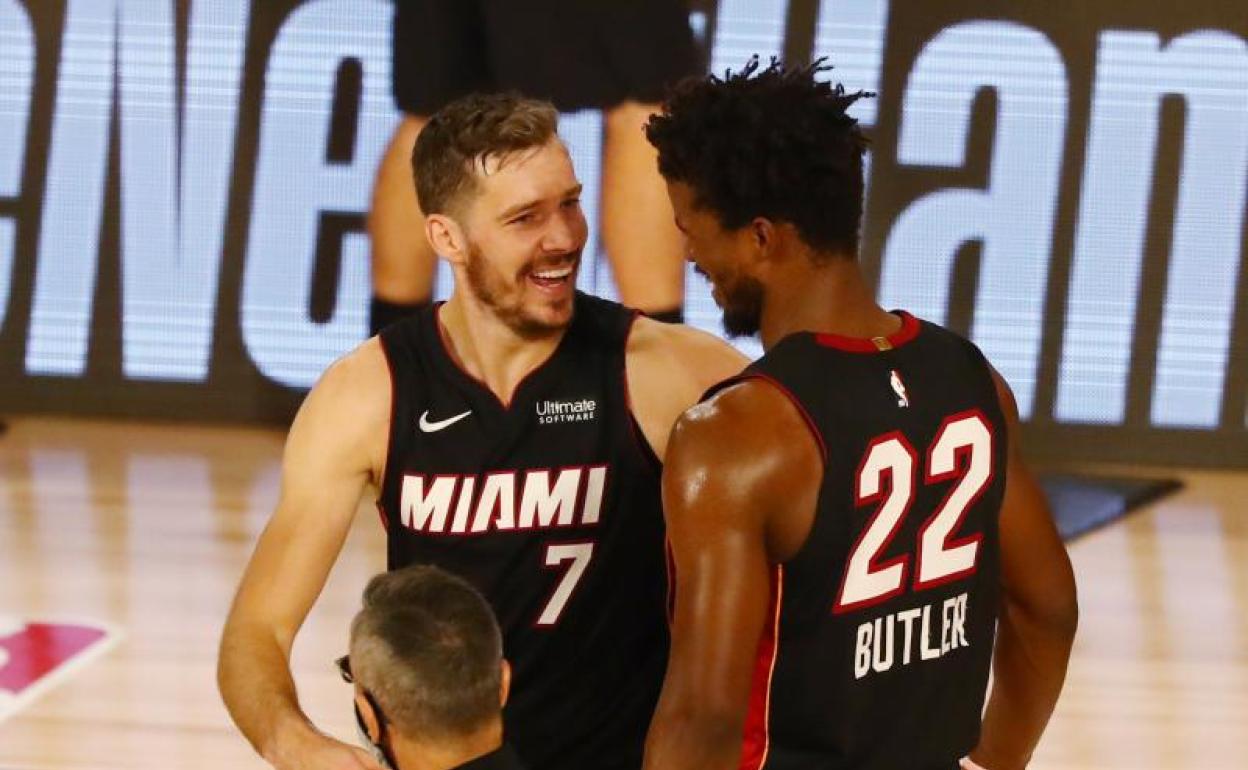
(183, 187)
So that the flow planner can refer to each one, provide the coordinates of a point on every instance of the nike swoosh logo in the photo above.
(434, 427)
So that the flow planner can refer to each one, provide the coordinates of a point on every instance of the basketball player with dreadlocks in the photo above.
(852, 525)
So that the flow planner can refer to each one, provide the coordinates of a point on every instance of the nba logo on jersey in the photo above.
(35, 656)
(899, 387)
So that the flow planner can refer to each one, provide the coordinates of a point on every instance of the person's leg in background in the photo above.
(638, 231)
(438, 54)
(404, 265)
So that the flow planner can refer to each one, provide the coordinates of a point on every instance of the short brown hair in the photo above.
(428, 648)
(468, 131)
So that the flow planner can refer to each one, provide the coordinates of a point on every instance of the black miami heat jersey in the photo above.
(550, 506)
(878, 645)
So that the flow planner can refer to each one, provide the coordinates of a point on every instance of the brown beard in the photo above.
(490, 288)
(743, 307)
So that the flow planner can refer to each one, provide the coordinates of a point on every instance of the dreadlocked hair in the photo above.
(774, 143)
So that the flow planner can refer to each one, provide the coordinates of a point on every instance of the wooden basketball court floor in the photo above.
(144, 529)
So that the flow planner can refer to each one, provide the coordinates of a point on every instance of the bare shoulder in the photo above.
(748, 423)
(669, 367)
(356, 381)
(348, 408)
(739, 459)
(1005, 396)
(680, 350)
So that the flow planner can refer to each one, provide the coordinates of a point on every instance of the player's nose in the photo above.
(565, 233)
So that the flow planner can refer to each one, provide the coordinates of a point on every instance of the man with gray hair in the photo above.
(430, 679)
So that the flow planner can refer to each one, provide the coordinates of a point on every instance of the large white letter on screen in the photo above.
(17, 69)
(294, 184)
(581, 131)
(744, 28)
(174, 187)
(1134, 72)
(1013, 217)
(60, 315)
(851, 33)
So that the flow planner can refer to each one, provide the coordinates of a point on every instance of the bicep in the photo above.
(723, 586)
(1035, 570)
(1034, 565)
(326, 466)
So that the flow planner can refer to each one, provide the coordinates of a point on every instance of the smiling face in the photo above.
(724, 257)
(524, 232)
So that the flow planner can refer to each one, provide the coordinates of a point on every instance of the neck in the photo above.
(489, 349)
(831, 298)
(421, 754)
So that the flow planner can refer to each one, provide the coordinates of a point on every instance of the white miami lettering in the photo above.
(425, 502)
(480, 503)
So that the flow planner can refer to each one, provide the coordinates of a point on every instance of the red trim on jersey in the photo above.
(757, 738)
(909, 330)
(446, 348)
(670, 560)
(390, 429)
(634, 427)
(793, 399)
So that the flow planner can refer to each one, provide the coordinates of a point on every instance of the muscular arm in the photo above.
(1039, 613)
(730, 515)
(334, 447)
(669, 368)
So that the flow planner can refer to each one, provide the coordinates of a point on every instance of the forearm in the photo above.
(253, 674)
(1029, 667)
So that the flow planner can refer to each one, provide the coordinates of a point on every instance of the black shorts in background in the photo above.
(575, 53)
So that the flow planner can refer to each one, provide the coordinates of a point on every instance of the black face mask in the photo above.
(377, 748)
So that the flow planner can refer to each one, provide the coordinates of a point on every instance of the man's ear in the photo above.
(505, 684)
(763, 238)
(372, 727)
(447, 237)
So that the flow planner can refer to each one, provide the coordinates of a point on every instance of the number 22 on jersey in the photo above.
(962, 450)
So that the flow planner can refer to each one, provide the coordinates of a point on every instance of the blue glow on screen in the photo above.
(295, 184)
(17, 70)
(1012, 217)
(177, 166)
(1210, 70)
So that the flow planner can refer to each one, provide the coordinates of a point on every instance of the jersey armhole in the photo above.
(634, 426)
(788, 394)
(390, 427)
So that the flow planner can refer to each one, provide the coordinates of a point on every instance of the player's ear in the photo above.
(447, 237)
(368, 716)
(762, 234)
(504, 683)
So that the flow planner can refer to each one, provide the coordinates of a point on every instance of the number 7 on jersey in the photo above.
(556, 554)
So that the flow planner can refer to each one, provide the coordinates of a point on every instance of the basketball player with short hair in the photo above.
(515, 434)
(578, 55)
(850, 518)
(430, 679)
